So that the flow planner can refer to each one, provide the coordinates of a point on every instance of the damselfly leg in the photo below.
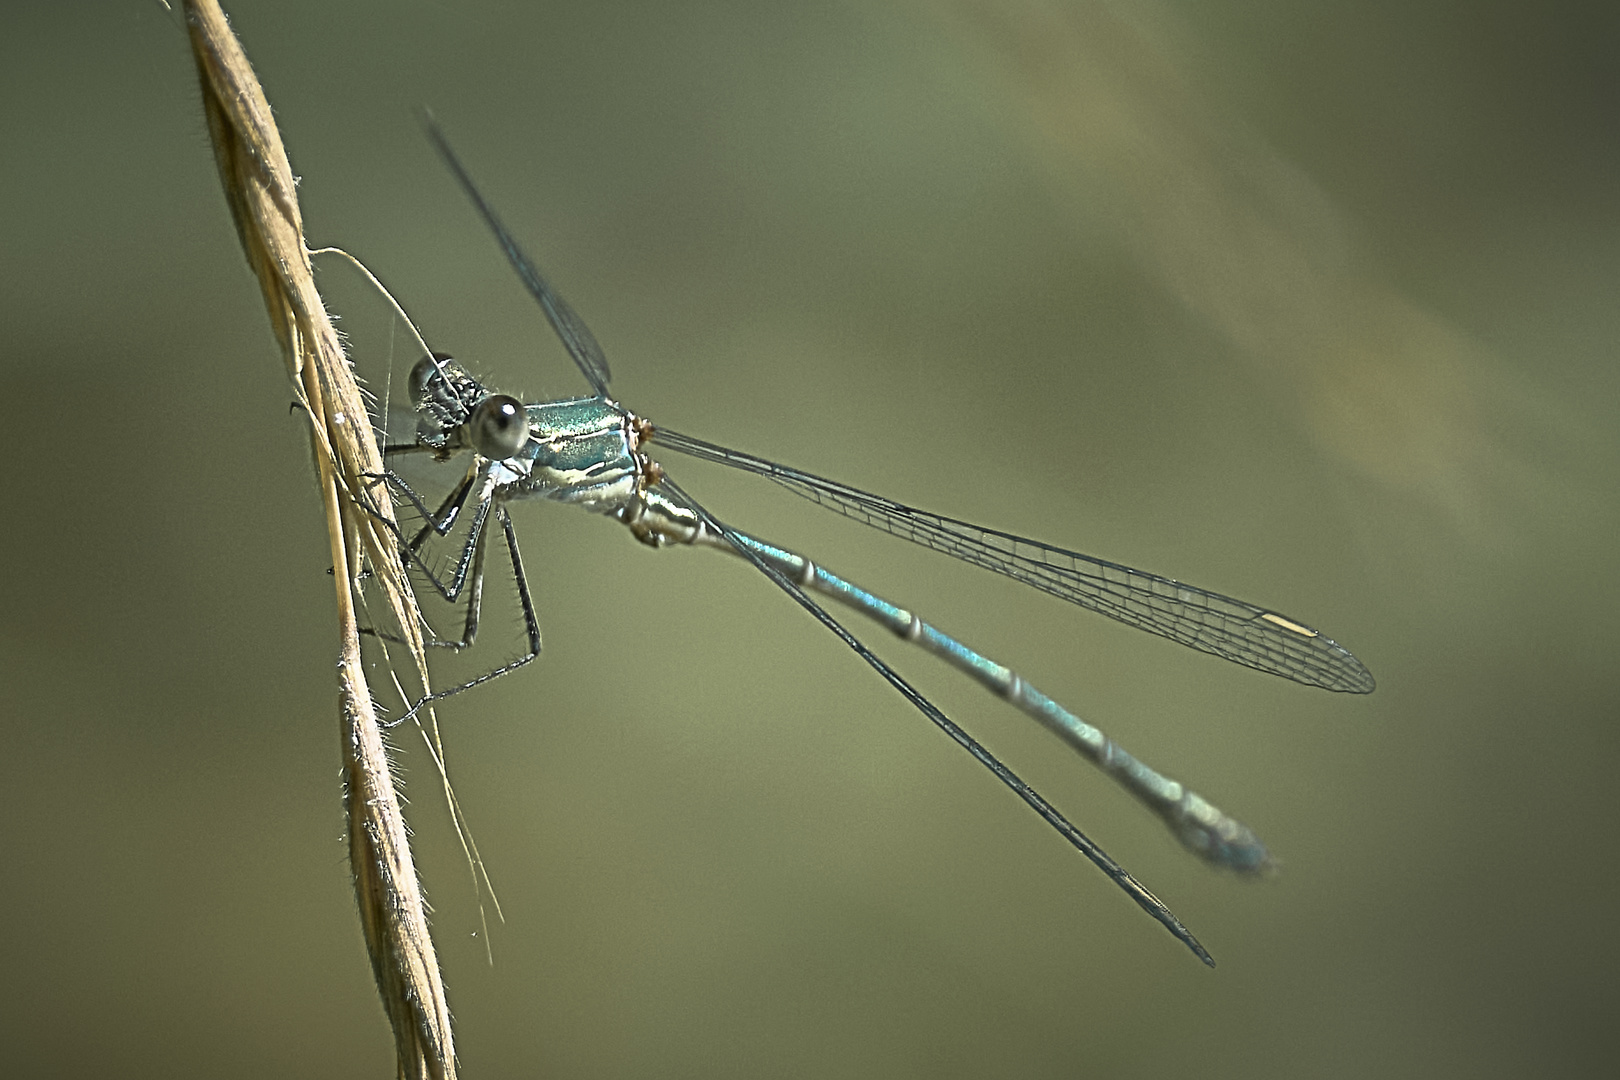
(467, 572)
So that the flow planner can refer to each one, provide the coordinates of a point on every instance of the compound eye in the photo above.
(427, 368)
(498, 427)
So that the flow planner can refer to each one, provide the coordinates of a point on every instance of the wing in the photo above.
(1233, 629)
(576, 336)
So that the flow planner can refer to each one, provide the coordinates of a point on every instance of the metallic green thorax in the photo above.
(582, 451)
(587, 452)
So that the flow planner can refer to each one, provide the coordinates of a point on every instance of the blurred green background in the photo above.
(1311, 304)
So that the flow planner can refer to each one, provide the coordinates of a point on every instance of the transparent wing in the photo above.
(1203, 620)
(576, 336)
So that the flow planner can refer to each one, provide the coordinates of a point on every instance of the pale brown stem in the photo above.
(259, 187)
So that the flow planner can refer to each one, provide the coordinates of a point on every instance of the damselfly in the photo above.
(594, 453)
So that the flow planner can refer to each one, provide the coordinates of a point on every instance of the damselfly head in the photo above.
(444, 396)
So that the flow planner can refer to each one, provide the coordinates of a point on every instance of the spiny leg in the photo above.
(469, 564)
(531, 621)
(439, 521)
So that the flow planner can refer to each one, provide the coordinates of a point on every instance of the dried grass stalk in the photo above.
(259, 186)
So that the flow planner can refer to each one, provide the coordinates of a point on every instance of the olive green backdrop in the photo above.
(1311, 304)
